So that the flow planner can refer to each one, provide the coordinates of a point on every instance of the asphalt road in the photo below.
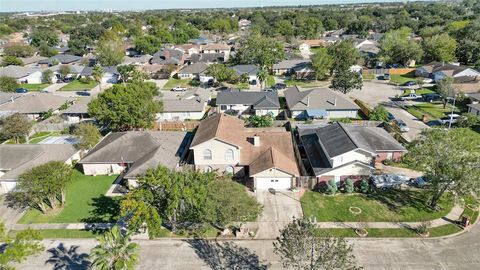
(460, 252)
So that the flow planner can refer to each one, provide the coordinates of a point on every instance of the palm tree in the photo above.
(97, 74)
(262, 76)
(115, 251)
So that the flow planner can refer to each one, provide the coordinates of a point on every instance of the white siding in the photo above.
(179, 116)
(219, 150)
(343, 114)
(272, 173)
(356, 155)
(241, 108)
(353, 169)
(468, 72)
(102, 169)
(273, 112)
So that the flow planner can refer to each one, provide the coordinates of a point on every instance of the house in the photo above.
(207, 58)
(34, 105)
(110, 74)
(15, 159)
(188, 49)
(137, 60)
(195, 71)
(318, 103)
(192, 105)
(437, 71)
(168, 56)
(287, 67)
(241, 102)
(6, 97)
(133, 152)
(340, 151)
(265, 157)
(474, 107)
(304, 72)
(244, 24)
(64, 59)
(32, 60)
(250, 70)
(218, 48)
(77, 112)
(74, 70)
(30, 75)
(306, 45)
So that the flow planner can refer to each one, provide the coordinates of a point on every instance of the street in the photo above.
(460, 252)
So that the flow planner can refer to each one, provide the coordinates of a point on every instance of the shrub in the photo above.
(85, 79)
(349, 187)
(364, 187)
(422, 228)
(331, 188)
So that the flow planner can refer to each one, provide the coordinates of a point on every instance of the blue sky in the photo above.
(67, 5)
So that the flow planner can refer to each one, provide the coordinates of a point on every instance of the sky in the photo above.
(69, 5)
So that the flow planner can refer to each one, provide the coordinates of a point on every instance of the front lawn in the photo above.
(85, 203)
(34, 86)
(443, 230)
(172, 83)
(77, 85)
(422, 91)
(270, 81)
(400, 79)
(42, 135)
(305, 83)
(432, 110)
(388, 206)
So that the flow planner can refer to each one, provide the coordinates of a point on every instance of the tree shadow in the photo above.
(105, 209)
(226, 255)
(396, 199)
(68, 259)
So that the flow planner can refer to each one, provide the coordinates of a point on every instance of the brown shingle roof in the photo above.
(222, 127)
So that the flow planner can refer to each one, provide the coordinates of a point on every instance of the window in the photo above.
(229, 154)
(229, 170)
(208, 169)
(207, 154)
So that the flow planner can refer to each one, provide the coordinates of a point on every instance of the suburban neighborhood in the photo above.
(327, 136)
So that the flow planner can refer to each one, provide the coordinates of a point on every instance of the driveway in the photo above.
(54, 87)
(9, 216)
(380, 93)
(458, 253)
(278, 211)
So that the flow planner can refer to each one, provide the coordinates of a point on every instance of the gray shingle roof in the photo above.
(173, 57)
(18, 158)
(61, 59)
(87, 71)
(207, 58)
(318, 98)
(79, 106)
(290, 64)
(34, 103)
(196, 68)
(7, 97)
(183, 105)
(248, 69)
(18, 71)
(259, 100)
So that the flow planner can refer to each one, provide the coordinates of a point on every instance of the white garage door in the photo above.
(271, 182)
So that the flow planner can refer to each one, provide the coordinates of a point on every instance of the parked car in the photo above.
(390, 117)
(83, 93)
(270, 90)
(253, 82)
(388, 181)
(402, 125)
(279, 86)
(411, 97)
(427, 80)
(431, 97)
(419, 182)
(386, 77)
(179, 89)
(452, 117)
(410, 83)
(21, 90)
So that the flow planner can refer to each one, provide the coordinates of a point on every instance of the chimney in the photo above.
(256, 140)
(308, 101)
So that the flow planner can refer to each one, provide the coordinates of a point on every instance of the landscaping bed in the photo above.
(85, 203)
(383, 206)
(77, 85)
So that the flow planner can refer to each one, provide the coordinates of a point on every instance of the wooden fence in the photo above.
(363, 107)
(391, 71)
(176, 126)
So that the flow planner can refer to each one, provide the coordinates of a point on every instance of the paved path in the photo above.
(54, 87)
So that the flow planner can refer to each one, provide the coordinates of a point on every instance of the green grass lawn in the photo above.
(401, 79)
(270, 81)
(389, 206)
(422, 91)
(305, 83)
(443, 230)
(368, 76)
(34, 86)
(85, 203)
(172, 83)
(433, 110)
(77, 85)
(42, 135)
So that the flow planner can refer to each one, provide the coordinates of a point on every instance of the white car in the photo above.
(411, 97)
(401, 125)
(453, 118)
(179, 89)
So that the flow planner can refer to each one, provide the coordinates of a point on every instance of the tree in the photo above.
(8, 84)
(446, 89)
(349, 186)
(40, 35)
(221, 73)
(15, 250)
(148, 44)
(115, 251)
(16, 126)
(47, 51)
(64, 70)
(344, 56)
(126, 106)
(260, 51)
(450, 161)
(397, 47)
(44, 183)
(97, 74)
(468, 120)
(88, 135)
(379, 113)
(345, 81)
(331, 187)
(322, 62)
(300, 247)
(262, 76)
(260, 121)
(19, 50)
(47, 76)
(126, 72)
(440, 47)
(110, 51)
(10, 60)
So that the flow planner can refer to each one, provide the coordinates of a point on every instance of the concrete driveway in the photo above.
(278, 211)
(54, 87)
(9, 216)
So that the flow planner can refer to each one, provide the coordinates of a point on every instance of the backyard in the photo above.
(400, 79)
(77, 85)
(432, 110)
(34, 86)
(172, 83)
(388, 206)
(85, 203)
